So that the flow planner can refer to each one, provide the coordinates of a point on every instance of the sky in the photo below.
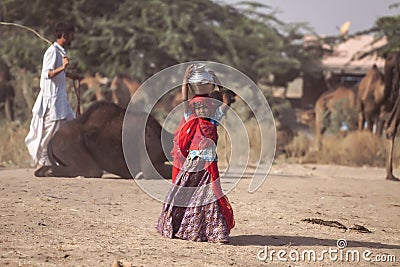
(326, 16)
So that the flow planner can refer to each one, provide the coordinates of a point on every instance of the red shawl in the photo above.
(181, 147)
(184, 140)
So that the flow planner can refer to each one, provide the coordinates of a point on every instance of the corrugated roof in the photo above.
(355, 55)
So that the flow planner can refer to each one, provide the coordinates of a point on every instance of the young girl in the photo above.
(195, 207)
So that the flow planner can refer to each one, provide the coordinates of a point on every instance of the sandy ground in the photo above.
(93, 222)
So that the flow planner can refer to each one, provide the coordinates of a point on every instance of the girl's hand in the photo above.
(225, 98)
(187, 73)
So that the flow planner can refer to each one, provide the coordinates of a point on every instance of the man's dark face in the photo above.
(69, 37)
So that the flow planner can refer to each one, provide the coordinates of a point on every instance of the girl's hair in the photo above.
(64, 28)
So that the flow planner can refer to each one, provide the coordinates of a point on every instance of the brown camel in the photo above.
(392, 74)
(6, 91)
(92, 85)
(92, 143)
(370, 101)
(122, 88)
(331, 104)
(174, 98)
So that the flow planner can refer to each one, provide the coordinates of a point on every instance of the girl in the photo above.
(195, 207)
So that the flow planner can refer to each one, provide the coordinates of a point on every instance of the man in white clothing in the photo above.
(51, 108)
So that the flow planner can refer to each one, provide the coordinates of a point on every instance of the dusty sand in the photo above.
(92, 222)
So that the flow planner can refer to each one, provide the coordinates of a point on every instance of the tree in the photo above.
(390, 27)
(142, 37)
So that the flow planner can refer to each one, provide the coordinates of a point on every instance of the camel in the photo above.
(331, 104)
(92, 85)
(92, 143)
(370, 101)
(122, 88)
(392, 80)
(6, 91)
(174, 98)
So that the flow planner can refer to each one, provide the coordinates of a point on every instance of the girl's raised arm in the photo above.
(185, 87)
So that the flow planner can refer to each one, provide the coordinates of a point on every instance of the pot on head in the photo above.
(200, 81)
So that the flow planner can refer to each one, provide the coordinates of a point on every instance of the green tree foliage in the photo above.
(142, 37)
(390, 27)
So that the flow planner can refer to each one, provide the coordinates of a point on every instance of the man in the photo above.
(51, 108)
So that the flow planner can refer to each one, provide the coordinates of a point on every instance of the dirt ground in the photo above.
(93, 222)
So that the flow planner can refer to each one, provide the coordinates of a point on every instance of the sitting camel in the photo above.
(92, 143)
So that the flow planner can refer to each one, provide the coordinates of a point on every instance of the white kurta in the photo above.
(51, 106)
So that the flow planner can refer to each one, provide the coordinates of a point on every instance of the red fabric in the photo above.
(204, 136)
(224, 205)
(187, 137)
(180, 152)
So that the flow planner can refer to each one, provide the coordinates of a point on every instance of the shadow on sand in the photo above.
(260, 240)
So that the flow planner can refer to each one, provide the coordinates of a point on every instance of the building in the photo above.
(343, 62)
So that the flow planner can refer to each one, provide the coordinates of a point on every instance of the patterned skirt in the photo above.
(190, 209)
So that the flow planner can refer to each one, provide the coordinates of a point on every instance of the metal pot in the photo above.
(201, 81)
(201, 89)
